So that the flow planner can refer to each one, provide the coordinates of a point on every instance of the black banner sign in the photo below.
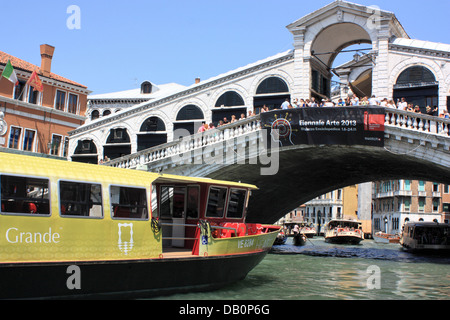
(327, 125)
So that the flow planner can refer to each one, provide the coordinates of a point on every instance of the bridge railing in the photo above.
(417, 121)
(394, 118)
(188, 144)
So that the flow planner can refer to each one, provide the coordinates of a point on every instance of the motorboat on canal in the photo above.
(381, 237)
(432, 237)
(344, 231)
(78, 230)
(307, 230)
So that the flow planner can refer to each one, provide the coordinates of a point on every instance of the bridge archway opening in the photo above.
(230, 103)
(189, 119)
(340, 61)
(117, 144)
(418, 85)
(85, 152)
(152, 133)
(271, 92)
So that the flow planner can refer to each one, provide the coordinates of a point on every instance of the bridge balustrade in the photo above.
(394, 118)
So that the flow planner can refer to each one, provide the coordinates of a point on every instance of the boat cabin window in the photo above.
(216, 202)
(128, 203)
(236, 203)
(25, 195)
(173, 201)
(193, 202)
(80, 199)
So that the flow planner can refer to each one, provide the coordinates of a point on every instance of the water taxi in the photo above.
(78, 230)
(381, 237)
(307, 230)
(426, 237)
(344, 231)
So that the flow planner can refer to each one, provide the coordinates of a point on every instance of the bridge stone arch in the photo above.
(334, 27)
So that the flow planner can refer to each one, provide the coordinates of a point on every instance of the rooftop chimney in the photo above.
(46, 59)
(197, 80)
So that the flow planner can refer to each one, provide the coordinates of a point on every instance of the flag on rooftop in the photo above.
(10, 74)
(35, 82)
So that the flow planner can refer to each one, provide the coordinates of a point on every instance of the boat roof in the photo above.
(344, 220)
(426, 224)
(17, 164)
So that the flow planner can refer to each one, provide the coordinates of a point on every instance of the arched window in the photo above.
(152, 133)
(190, 112)
(416, 75)
(153, 124)
(230, 99)
(106, 113)
(272, 85)
(118, 144)
(85, 152)
(95, 114)
(146, 87)
(271, 92)
(418, 86)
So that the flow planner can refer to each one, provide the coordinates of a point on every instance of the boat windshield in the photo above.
(343, 224)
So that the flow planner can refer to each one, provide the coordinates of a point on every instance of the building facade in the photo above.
(396, 202)
(36, 121)
(395, 65)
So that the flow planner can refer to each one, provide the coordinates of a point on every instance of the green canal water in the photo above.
(322, 271)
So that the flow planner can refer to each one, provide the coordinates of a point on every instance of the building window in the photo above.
(73, 103)
(60, 101)
(33, 96)
(80, 199)
(435, 187)
(272, 85)
(407, 204)
(14, 137)
(407, 185)
(146, 87)
(421, 204)
(19, 90)
(421, 185)
(56, 145)
(436, 204)
(28, 140)
(95, 115)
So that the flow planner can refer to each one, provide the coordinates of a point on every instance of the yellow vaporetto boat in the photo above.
(72, 229)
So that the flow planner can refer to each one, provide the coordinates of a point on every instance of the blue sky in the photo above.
(122, 43)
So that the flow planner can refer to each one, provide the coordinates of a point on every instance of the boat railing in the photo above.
(192, 226)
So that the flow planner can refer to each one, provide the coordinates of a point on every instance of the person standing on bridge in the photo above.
(285, 105)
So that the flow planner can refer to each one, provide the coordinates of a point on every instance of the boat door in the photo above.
(172, 214)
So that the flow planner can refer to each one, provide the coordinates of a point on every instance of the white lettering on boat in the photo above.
(246, 243)
(14, 235)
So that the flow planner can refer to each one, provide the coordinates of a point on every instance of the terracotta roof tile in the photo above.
(19, 64)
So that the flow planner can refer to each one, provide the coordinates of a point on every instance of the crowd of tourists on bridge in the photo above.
(401, 104)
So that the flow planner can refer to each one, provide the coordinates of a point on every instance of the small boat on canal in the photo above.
(280, 239)
(426, 237)
(73, 230)
(344, 231)
(381, 237)
(299, 239)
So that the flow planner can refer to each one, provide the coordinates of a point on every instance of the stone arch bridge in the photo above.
(416, 147)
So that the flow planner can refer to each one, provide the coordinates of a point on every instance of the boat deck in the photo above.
(171, 252)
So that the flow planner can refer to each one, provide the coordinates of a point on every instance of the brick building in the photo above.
(39, 121)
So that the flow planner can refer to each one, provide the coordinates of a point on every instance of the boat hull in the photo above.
(125, 279)
(381, 239)
(344, 239)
